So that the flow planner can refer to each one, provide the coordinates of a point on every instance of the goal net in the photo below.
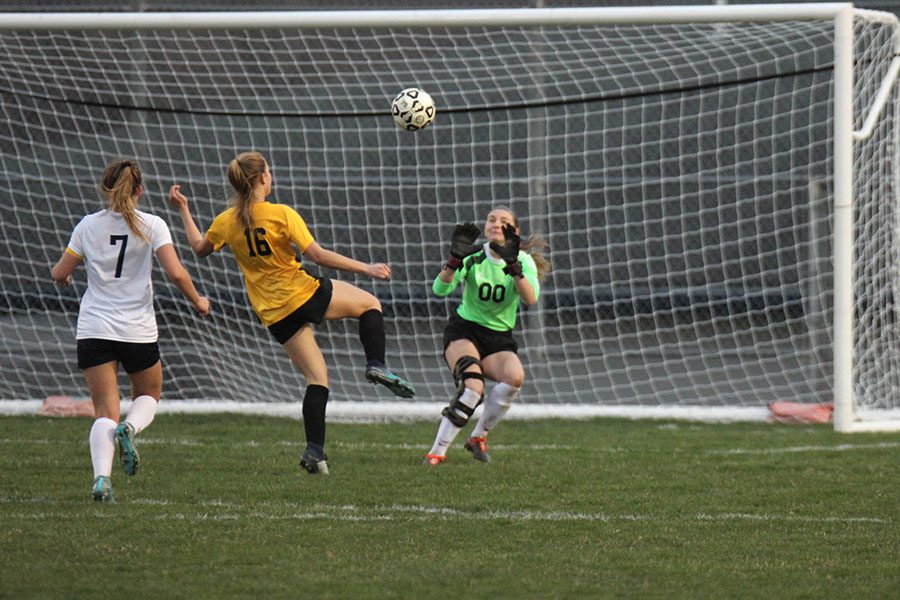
(687, 166)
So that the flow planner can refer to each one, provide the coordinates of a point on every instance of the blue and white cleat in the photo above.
(102, 491)
(128, 454)
(392, 381)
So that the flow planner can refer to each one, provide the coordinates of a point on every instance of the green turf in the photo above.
(567, 509)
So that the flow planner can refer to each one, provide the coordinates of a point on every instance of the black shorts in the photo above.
(487, 341)
(311, 311)
(133, 356)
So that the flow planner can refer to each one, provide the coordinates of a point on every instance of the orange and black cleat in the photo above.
(478, 447)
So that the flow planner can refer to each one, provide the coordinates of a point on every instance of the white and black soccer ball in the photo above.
(413, 109)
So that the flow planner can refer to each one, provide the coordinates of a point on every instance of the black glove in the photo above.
(509, 251)
(462, 243)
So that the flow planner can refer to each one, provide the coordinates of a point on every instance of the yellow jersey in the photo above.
(276, 283)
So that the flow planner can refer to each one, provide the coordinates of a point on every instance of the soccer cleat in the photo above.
(102, 491)
(395, 383)
(433, 460)
(314, 461)
(128, 454)
(478, 447)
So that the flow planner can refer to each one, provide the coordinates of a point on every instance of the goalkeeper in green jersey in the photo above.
(478, 340)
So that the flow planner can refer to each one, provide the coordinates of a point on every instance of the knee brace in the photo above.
(459, 412)
(460, 374)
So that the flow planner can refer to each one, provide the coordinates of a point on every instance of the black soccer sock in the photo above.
(371, 334)
(314, 414)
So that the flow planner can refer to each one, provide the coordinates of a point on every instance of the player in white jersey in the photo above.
(116, 321)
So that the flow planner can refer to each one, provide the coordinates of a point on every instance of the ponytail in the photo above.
(243, 174)
(120, 183)
(534, 244)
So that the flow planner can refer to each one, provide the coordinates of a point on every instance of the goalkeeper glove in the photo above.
(462, 244)
(509, 251)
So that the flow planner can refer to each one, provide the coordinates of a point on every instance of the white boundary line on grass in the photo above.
(157, 441)
(162, 441)
(339, 444)
(293, 511)
(791, 449)
(347, 411)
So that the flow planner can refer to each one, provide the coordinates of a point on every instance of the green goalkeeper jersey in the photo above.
(489, 295)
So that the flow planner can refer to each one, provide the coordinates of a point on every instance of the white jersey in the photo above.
(118, 303)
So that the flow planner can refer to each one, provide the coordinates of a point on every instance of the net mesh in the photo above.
(681, 174)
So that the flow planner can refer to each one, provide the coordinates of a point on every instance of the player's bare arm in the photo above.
(198, 242)
(333, 260)
(168, 258)
(63, 269)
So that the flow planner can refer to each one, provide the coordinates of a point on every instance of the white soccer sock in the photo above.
(141, 413)
(445, 435)
(102, 447)
(447, 431)
(495, 408)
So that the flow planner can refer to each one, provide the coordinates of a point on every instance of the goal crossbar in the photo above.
(493, 17)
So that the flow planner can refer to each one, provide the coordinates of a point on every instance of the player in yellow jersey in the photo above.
(287, 299)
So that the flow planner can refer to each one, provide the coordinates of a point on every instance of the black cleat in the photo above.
(314, 461)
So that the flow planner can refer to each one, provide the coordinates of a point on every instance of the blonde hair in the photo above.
(119, 184)
(534, 245)
(243, 174)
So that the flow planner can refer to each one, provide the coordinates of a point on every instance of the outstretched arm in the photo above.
(462, 244)
(180, 277)
(333, 260)
(199, 244)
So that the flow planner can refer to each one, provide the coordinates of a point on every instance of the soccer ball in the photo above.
(413, 109)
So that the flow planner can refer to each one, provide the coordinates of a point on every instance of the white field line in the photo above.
(217, 510)
(341, 411)
(153, 441)
(793, 449)
(339, 444)
(156, 441)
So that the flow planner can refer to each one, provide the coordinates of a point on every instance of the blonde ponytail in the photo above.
(243, 174)
(534, 245)
(120, 183)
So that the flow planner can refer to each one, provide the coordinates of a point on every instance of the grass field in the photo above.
(567, 509)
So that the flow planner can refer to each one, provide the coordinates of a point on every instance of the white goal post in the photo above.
(718, 186)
